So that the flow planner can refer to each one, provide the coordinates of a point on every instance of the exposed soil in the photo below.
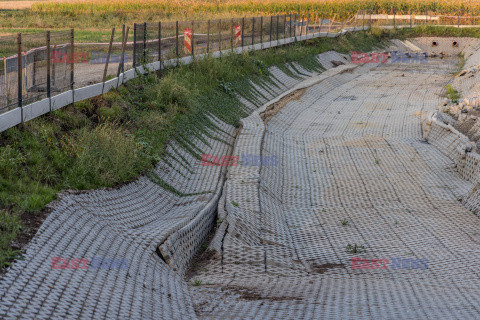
(248, 294)
(274, 108)
(465, 126)
(321, 268)
(31, 221)
(203, 257)
(337, 63)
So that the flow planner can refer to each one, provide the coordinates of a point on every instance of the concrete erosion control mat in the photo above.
(362, 214)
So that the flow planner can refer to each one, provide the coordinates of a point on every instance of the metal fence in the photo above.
(42, 72)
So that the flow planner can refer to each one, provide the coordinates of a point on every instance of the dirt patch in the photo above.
(274, 108)
(465, 126)
(31, 222)
(322, 268)
(337, 63)
(203, 257)
(250, 295)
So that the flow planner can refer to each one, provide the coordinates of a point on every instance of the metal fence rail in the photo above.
(55, 70)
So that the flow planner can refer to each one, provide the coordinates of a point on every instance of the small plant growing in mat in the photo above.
(355, 248)
(197, 282)
(452, 94)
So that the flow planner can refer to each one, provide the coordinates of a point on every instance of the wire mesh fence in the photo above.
(43, 65)
(8, 84)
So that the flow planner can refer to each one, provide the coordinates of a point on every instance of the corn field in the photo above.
(174, 9)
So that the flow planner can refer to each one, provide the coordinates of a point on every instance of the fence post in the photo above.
(193, 38)
(411, 19)
(290, 25)
(261, 30)
(232, 33)
(295, 27)
(134, 45)
(306, 27)
(301, 26)
(122, 59)
(160, 43)
(208, 35)
(220, 36)
(144, 43)
(19, 73)
(458, 22)
(321, 23)
(253, 31)
(284, 27)
(243, 29)
(278, 17)
(108, 58)
(49, 60)
(72, 52)
(176, 40)
(271, 28)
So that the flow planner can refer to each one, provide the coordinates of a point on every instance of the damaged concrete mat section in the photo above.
(363, 214)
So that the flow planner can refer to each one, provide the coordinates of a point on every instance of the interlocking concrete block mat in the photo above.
(351, 200)
(362, 216)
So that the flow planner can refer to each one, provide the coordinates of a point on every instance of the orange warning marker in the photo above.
(238, 34)
(187, 47)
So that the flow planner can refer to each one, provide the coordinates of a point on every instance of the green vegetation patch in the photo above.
(452, 94)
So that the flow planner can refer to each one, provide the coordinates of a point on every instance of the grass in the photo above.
(111, 140)
(355, 248)
(11, 227)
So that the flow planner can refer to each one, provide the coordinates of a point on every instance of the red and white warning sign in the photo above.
(188, 41)
(238, 34)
